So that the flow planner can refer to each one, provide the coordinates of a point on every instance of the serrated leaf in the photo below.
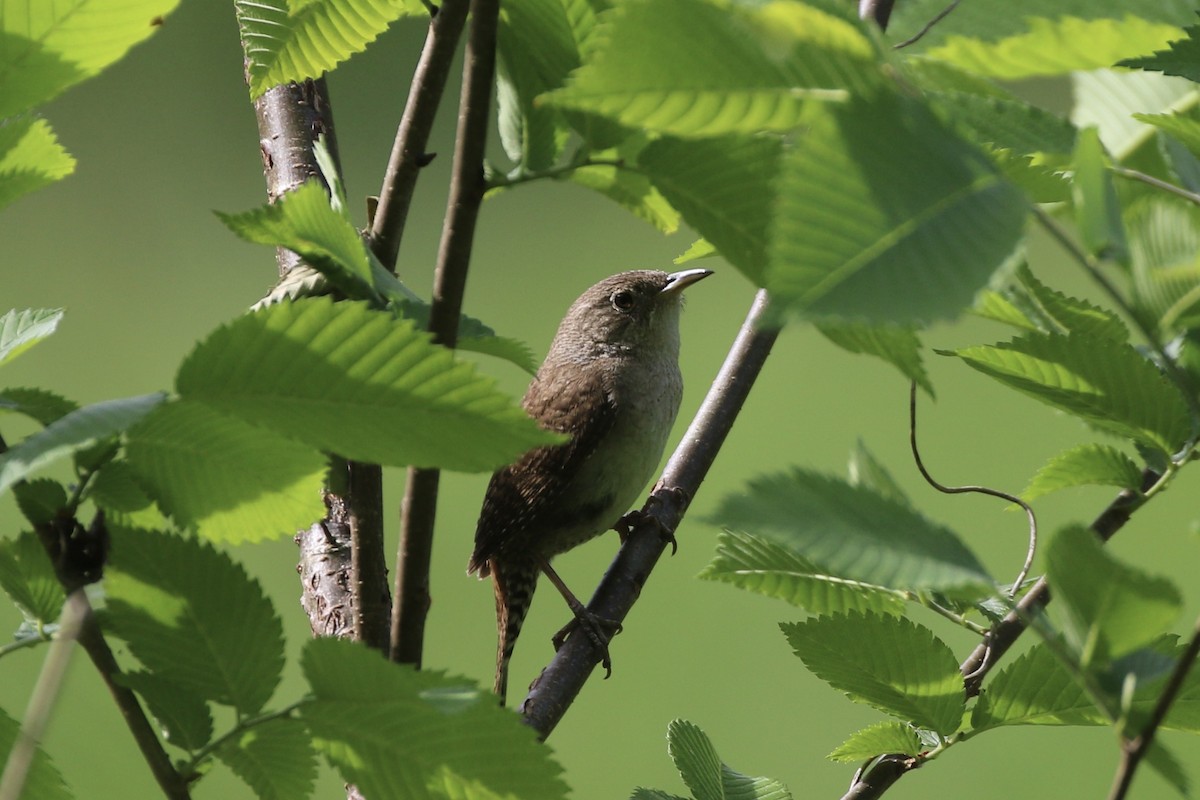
(1031, 38)
(385, 727)
(183, 716)
(885, 216)
(867, 471)
(889, 663)
(898, 346)
(285, 44)
(642, 793)
(20, 330)
(1000, 307)
(40, 499)
(1181, 57)
(474, 336)
(723, 187)
(1071, 314)
(346, 379)
(50, 46)
(1111, 608)
(194, 617)
(75, 432)
(1006, 122)
(632, 191)
(854, 533)
(773, 57)
(1107, 384)
(276, 759)
(1036, 689)
(707, 776)
(759, 565)
(701, 248)
(1164, 243)
(877, 739)
(229, 480)
(116, 489)
(30, 158)
(303, 221)
(1085, 465)
(1107, 99)
(44, 781)
(38, 404)
(27, 577)
(1097, 210)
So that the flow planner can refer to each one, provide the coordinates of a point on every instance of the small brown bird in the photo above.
(611, 381)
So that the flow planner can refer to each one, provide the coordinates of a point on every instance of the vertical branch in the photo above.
(454, 256)
(560, 682)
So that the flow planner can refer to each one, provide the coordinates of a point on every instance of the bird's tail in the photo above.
(514, 585)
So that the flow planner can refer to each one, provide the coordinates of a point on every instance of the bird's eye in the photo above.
(622, 300)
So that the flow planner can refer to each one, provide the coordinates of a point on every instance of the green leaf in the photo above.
(701, 248)
(76, 431)
(182, 715)
(275, 758)
(385, 727)
(889, 663)
(707, 776)
(877, 739)
(757, 564)
(1085, 465)
(44, 781)
(1181, 124)
(230, 480)
(194, 617)
(868, 472)
(343, 378)
(1097, 210)
(724, 188)
(1108, 99)
(303, 221)
(21, 330)
(1036, 689)
(37, 404)
(1105, 383)
(632, 191)
(285, 44)
(40, 499)
(773, 57)
(1032, 38)
(898, 346)
(1164, 243)
(118, 491)
(1182, 57)
(1064, 314)
(27, 577)
(474, 336)
(885, 216)
(1005, 122)
(1111, 608)
(46, 47)
(854, 533)
(30, 158)
(1167, 765)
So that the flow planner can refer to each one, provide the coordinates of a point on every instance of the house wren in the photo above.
(611, 381)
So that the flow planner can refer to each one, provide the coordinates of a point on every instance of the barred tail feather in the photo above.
(514, 585)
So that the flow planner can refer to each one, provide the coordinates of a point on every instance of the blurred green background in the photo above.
(129, 246)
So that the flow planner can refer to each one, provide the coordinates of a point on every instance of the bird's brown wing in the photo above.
(523, 499)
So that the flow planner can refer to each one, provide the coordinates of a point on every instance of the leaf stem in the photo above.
(467, 188)
(1157, 183)
(237, 730)
(31, 640)
(528, 176)
(560, 682)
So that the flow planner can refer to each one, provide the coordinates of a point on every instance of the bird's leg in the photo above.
(634, 517)
(597, 628)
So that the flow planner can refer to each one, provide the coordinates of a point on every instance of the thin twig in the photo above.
(1157, 183)
(919, 35)
(1133, 750)
(1012, 498)
(41, 700)
(560, 682)
(454, 257)
(412, 137)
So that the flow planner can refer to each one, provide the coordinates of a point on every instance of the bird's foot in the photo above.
(598, 629)
(635, 517)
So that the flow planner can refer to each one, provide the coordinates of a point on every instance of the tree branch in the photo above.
(560, 682)
(868, 786)
(412, 137)
(454, 257)
(1133, 750)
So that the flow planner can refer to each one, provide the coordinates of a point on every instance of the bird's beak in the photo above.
(678, 281)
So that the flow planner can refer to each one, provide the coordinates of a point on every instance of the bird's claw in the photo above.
(599, 631)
